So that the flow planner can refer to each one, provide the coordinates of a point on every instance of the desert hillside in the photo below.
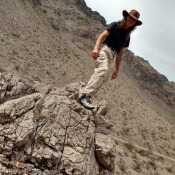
(45, 50)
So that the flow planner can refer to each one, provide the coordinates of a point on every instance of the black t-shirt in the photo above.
(118, 37)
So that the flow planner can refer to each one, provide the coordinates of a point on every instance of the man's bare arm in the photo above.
(101, 39)
(117, 63)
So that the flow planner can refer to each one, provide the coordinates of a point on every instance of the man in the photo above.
(115, 39)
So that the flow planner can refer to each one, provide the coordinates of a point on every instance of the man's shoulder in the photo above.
(112, 26)
(114, 23)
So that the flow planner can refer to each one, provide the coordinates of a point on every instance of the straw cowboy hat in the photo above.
(133, 14)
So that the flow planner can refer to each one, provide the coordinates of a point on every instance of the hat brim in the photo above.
(126, 14)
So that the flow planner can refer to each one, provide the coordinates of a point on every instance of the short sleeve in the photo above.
(127, 42)
(111, 26)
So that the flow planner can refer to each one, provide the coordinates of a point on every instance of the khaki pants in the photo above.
(101, 72)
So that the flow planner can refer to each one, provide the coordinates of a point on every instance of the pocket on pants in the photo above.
(102, 59)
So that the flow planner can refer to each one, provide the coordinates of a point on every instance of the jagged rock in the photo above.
(49, 131)
(12, 87)
(11, 110)
(105, 151)
(102, 108)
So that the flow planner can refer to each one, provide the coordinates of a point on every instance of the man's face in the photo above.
(130, 21)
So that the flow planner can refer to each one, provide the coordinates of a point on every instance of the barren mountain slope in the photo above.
(48, 42)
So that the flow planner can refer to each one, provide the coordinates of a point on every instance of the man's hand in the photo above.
(114, 74)
(95, 54)
(101, 38)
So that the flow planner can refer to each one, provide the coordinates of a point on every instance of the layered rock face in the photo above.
(50, 133)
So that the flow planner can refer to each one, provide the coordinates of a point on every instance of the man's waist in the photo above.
(110, 50)
(114, 47)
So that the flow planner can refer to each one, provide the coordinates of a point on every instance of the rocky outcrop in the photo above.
(51, 133)
(48, 132)
(12, 87)
(93, 14)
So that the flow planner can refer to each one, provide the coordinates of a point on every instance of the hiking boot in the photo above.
(86, 102)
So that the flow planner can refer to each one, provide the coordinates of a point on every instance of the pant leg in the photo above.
(101, 72)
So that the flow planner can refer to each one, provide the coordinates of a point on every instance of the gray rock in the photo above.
(50, 131)
(105, 151)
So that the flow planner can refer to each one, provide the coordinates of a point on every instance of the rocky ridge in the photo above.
(150, 78)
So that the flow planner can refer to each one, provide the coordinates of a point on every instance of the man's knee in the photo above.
(104, 72)
(105, 69)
